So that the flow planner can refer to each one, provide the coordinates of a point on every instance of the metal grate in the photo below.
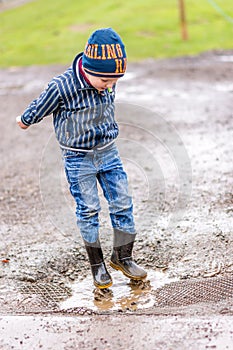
(49, 295)
(47, 292)
(189, 292)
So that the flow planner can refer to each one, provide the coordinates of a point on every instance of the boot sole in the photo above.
(103, 286)
(119, 268)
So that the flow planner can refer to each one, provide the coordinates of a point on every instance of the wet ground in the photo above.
(175, 120)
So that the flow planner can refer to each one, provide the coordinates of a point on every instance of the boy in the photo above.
(82, 103)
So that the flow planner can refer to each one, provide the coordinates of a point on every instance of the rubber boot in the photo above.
(101, 277)
(121, 258)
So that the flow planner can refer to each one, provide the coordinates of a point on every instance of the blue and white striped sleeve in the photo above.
(43, 106)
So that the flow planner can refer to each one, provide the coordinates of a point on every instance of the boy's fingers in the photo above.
(19, 122)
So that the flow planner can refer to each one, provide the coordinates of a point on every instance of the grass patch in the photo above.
(44, 32)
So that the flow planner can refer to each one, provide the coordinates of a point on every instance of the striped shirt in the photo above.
(83, 117)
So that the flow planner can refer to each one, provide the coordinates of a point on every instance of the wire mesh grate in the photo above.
(47, 292)
(194, 291)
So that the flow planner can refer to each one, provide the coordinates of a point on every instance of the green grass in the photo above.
(46, 31)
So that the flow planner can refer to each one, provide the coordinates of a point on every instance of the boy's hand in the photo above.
(19, 122)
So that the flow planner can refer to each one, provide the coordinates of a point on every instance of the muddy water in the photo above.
(123, 295)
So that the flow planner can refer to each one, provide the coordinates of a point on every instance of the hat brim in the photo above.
(103, 74)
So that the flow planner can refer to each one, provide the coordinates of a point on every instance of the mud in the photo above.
(175, 120)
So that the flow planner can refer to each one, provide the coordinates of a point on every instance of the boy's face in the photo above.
(101, 83)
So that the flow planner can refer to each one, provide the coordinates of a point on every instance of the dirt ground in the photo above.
(176, 130)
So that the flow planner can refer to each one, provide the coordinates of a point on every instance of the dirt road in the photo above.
(176, 132)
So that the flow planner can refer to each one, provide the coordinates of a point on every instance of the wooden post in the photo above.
(183, 22)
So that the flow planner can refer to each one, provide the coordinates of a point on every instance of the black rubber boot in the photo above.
(121, 258)
(101, 277)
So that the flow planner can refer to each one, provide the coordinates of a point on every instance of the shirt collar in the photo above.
(78, 75)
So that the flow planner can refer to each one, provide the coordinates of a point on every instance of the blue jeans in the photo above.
(83, 170)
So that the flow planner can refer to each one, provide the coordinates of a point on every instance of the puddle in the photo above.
(123, 295)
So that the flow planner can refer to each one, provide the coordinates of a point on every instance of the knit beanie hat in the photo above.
(104, 54)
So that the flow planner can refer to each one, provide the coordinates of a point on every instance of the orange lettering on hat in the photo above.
(103, 52)
(88, 51)
(119, 68)
(120, 65)
(119, 51)
(95, 52)
(111, 51)
(92, 50)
